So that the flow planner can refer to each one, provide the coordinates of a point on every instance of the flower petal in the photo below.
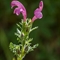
(24, 14)
(20, 8)
(41, 5)
(38, 14)
(16, 3)
(17, 11)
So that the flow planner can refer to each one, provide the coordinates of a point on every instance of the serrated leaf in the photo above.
(18, 31)
(35, 46)
(33, 29)
(19, 26)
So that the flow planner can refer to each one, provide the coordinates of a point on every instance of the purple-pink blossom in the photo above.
(37, 13)
(41, 5)
(19, 8)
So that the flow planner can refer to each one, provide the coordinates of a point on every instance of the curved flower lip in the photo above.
(41, 5)
(19, 9)
(37, 13)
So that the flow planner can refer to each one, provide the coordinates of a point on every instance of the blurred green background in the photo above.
(47, 35)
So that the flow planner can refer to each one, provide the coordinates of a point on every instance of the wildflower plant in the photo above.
(24, 29)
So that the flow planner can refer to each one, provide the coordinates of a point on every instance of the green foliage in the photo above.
(47, 35)
(24, 46)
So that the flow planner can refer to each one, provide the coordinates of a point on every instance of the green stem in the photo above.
(19, 58)
(21, 55)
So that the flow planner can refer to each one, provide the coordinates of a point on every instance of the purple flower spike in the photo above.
(37, 13)
(19, 9)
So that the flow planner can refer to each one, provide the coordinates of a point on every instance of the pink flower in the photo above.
(37, 13)
(19, 9)
(41, 5)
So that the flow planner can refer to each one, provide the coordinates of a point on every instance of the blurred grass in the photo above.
(47, 35)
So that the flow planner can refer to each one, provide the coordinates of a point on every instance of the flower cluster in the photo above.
(21, 9)
(24, 29)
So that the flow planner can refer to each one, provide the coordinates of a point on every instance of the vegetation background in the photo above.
(47, 35)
